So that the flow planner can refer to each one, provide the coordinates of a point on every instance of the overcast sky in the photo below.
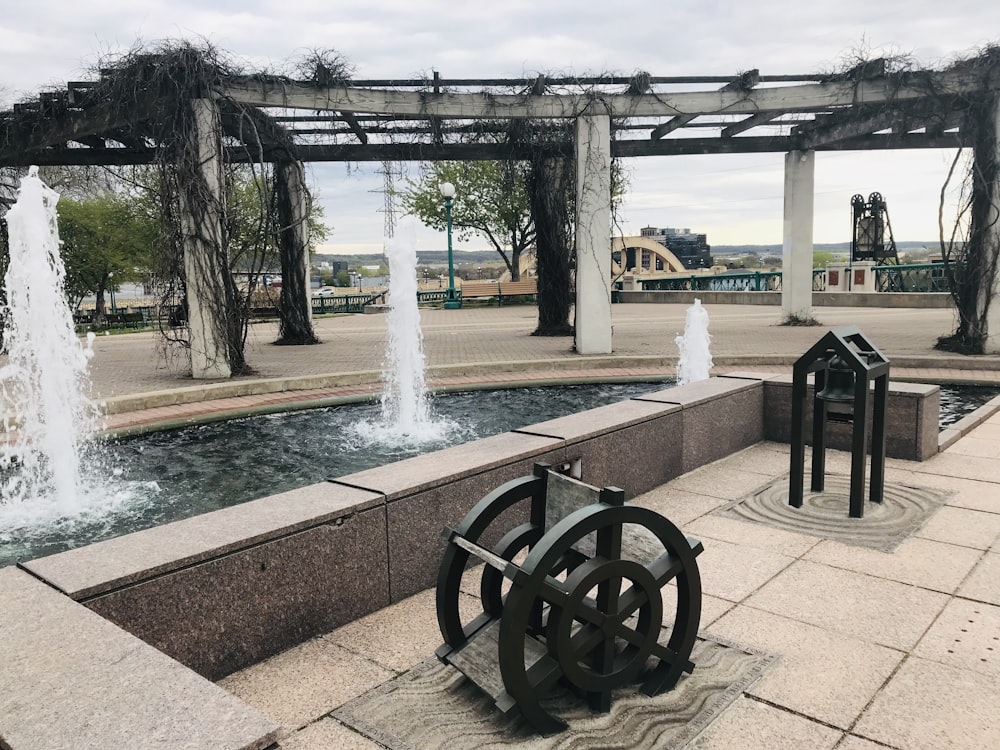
(732, 198)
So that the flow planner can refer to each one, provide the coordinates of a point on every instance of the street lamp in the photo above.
(111, 287)
(452, 302)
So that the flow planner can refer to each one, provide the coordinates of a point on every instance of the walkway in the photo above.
(475, 346)
(874, 649)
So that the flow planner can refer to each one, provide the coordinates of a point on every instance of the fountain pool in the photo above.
(165, 476)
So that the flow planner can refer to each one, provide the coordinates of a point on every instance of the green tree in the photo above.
(821, 258)
(491, 200)
(106, 240)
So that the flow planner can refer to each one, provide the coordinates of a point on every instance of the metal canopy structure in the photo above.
(437, 119)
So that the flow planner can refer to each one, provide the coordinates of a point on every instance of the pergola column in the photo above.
(797, 240)
(593, 232)
(202, 219)
(992, 344)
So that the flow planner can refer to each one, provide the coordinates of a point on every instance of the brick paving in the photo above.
(482, 345)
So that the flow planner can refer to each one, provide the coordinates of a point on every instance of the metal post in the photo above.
(452, 303)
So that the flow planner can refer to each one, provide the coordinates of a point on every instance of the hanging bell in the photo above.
(839, 387)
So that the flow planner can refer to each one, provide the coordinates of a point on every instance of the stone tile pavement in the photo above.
(484, 344)
(876, 650)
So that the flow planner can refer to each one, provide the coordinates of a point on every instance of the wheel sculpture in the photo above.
(583, 608)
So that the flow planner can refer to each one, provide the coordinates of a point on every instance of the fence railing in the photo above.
(922, 277)
(758, 281)
(918, 277)
(350, 303)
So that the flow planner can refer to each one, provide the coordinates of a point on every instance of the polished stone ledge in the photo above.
(71, 679)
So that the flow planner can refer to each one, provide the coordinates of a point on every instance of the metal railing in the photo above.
(758, 281)
(436, 295)
(922, 277)
(350, 303)
(918, 277)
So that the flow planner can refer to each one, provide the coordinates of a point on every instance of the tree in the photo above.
(971, 250)
(551, 181)
(106, 240)
(491, 200)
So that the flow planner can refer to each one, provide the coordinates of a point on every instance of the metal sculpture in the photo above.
(845, 363)
(871, 230)
(567, 615)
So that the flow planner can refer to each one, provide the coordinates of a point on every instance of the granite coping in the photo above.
(97, 568)
(693, 394)
(73, 679)
(602, 420)
(895, 386)
(420, 473)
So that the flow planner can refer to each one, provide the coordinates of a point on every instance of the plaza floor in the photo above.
(874, 649)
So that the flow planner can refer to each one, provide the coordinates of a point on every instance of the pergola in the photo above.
(269, 118)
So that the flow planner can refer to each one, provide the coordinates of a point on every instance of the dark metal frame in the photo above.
(579, 633)
(868, 364)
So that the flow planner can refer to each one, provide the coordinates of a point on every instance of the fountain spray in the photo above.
(695, 359)
(47, 414)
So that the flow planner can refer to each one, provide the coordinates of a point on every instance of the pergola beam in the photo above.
(761, 118)
(449, 105)
(373, 152)
(743, 82)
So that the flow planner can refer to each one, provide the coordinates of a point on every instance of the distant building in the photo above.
(690, 249)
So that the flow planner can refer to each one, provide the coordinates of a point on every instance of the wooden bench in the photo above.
(501, 289)
(549, 627)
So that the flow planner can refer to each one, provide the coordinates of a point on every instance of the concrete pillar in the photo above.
(593, 232)
(797, 243)
(202, 223)
(992, 344)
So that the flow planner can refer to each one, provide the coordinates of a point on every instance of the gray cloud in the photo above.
(734, 198)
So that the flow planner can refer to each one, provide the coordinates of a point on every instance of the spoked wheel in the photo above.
(472, 527)
(590, 632)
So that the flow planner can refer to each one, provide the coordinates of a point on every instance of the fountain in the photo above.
(407, 417)
(695, 361)
(43, 384)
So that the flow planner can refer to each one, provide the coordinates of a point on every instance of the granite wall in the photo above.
(227, 589)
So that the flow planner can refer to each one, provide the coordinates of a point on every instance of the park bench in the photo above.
(501, 289)
(566, 617)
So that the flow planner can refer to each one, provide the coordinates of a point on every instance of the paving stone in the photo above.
(727, 484)
(983, 583)
(932, 705)
(965, 493)
(750, 534)
(967, 467)
(872, 609)
(969, 528)
(921, 562)
(820, 674)
(750, 725)
(965, 635)
(302, 684)
(976, 446)
(395, 637)
(850, 742)
(327, 734)
(733, 572)
(766, 457)
(681, 507)
(712, 608)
